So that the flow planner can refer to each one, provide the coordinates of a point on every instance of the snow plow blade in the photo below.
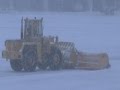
(79, 60)
(93, 61)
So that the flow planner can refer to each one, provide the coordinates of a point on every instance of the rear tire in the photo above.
(16, 65)
(45, 62)
(29, 59)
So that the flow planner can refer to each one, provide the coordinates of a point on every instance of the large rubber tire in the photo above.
(45, 62)
(56, 61)
(29, 59)
(16, 65)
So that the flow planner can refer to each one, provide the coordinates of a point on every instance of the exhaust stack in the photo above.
(22, 28)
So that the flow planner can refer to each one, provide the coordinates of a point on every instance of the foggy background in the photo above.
(90, 33)
(102, 6)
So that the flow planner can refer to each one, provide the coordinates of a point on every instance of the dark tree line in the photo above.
(60, 5)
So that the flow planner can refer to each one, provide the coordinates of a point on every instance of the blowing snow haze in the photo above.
(85, 28)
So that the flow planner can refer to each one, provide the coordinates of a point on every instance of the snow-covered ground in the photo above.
(90, 33)
(61, 80)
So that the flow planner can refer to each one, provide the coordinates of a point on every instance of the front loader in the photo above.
(34, 49)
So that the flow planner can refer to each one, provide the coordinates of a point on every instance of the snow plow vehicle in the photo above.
(47, 52)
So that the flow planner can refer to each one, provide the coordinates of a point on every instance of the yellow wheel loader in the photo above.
(46, 52)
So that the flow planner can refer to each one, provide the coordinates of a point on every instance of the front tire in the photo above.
(56, 59)
(16, 65)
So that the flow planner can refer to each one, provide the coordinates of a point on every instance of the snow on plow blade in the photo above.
(93, 61)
